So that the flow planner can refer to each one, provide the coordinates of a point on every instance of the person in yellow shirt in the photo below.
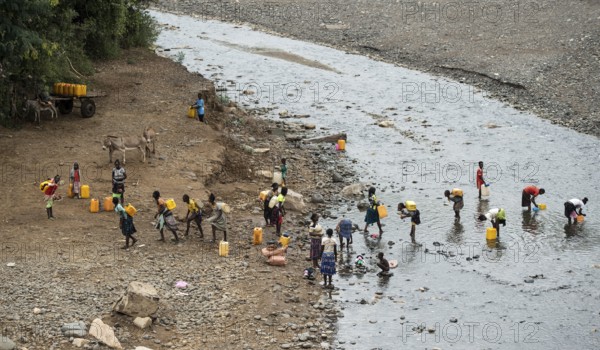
(194, 213)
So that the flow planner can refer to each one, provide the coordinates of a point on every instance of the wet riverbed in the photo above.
(440, 130)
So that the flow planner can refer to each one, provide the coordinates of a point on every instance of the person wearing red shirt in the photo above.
(479, 178)
(529, 194)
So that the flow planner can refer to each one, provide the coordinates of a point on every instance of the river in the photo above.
(441, 129)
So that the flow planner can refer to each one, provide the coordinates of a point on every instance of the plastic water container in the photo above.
(94, 206)
(257, 236)
(491, 233)
(410, 205)
(277, 177)
(542, 206)
(191, 113)
(485, 191)
(84, 191)
(382, 211)
(276, 260)
(70, 193)
(285, 239)
(457, 192)
(341, 145)
(580, 218)
(535, 209)
(108, 204)
(130, 210)
(224, 248)
(170, 203)
(263, 195)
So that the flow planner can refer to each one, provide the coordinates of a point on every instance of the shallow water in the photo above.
(451, 127)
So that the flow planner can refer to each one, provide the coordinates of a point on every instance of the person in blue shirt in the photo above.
(200, 108)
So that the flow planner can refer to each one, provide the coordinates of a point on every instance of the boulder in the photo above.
(74, 329)
(141, 348)
(142, 322)
(294, 201)
(355, 190)
(337, 177)
(7, 344)
(140, 300)
(316, 198)
(105, 334)
(80, 342)
(267, 174)
(362, 206)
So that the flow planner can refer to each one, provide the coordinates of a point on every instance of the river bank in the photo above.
(457, 287)
(72, 268)
(539, 56)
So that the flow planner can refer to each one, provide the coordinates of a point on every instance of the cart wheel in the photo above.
(65, 107)
(88, 108)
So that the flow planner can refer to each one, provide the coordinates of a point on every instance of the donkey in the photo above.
(37, 106)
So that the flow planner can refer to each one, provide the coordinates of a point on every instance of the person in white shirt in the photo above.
(573, 206)
(496, 216)
(328, 258)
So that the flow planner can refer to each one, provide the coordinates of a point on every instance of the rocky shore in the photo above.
(539, 56)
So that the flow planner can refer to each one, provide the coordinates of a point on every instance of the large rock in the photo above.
(7, 344)
(355, 190)
(316, 198)
(140, 300)
(105, 334)
(337, 177)
(142, 322)
(80, 342)
(141, 348)
(74, 329)
(294, 201)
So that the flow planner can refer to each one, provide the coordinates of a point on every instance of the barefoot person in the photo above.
(199, 106)
(267, 212)
(456, 197)
(165, 218)
(383, 264)
(344, 230)
(75, 180)
(278, 211)
(315, 232)
(118, 180)
(193, 214)
(125, 223)
(328, 258)
(572, 206)
(284, 170)
(479, 179)
(372, 214)
(529, 195)
(218, 221)
(415, 219)
(496, 216)
(50, 195)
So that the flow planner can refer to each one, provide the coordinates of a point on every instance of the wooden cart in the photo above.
(86, 103)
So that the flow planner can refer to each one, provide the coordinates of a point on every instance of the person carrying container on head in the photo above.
(573, 206)
(528, 196)
(496, 216)
(455, 196)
